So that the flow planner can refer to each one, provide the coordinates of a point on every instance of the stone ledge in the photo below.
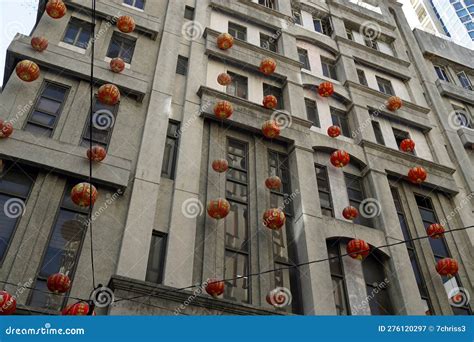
(467, 137)
(455, 91)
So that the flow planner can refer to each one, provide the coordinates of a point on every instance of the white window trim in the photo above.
(72, 48)
(133, 7)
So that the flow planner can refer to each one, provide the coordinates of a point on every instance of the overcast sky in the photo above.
(19, 16)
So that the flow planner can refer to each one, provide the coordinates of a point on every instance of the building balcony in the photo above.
(467, 137)
(455, 91)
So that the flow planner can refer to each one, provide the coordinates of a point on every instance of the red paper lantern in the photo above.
(274, 218)
(268, 66)
(334, 131)
(358, 249)
(340, 158)
(56, 9)
(220, 165)
(407, 145)
(350, 213)
(81, 194)
(96, 153)
(109, 94)
(435, 231)
(417, 175)
(394, 103)
(27, 70)
(6, 129)
(224, 79)
(77, 309)
(270, 102)
(271, 129)
(215, 287)
(223, 109)
(273, 183)
(447, 267)
(59, 283)
(326, 89)
(126, 24)
(39, 43)
(218, 209)
(117, 64)
(225, 41)
(7, 303)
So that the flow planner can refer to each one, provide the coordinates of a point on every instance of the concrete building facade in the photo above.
(153, 243)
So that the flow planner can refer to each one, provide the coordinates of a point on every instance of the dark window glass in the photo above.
(170, 155)
(385, 86)
(441, 72)
(324, 191)
(121, 46)
(268, 42)
(378, 132)
(339, 118)
(156, 258)
(268, 3)
(78, 33)
(237, 31)
(275, 91)
(238, 87)
(361, 76)
(140, 4)
(355, 192)
(322, 25)
(377, 288)
(182, 65)
(303, 57)
(103, 120)
(341, 297)
(400, 136)
(312, 112)
(329, 68)
(189, 13)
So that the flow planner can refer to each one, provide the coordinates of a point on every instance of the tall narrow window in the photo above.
(268, 42)
(349, 34)
(312, 112)
(400, 136)
(238, 87)
(377, 285)
(189, 12)
(156, 258)
(303, 57)
(322, 25)
(339, 118)
(182, 65)
(103, 120)
(47, 109)
(170, 155)
(442, 73)
(361, 76)
(237, 31)
(236, 263)
(378, 132)
(121, 46)
(62, 252)
(15, 185)
(339, 289)
(465, 81)
(329, 68)
(385, 86)
(355, 192)
(324, 191)
(78, 33)
(275, 91)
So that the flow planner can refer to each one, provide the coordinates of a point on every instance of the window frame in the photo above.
(267, 44)
(342, 121)
(442, 73)
(378, 132)
(121, 38)
(362, 78)
(182, 65)
(329, 68)
(188, 10)
(82, 24)
(236, 85)
(349, 179)
(164, 236)
(328, 193)
(331, 243)
(385, 84)
(171, 173)
(269, 89)
(238, 29)
(85, 141)
(303, 54)
(462, 75)
(134, 3)
(309, 102)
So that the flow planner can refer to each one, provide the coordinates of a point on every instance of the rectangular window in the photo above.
(156, 258)
(336, 268)
(339, 118)
(400, 136)
(62, 252)
(170, 154)
(322, 25)
(371, 43)
(329, 68)
(385, 86)
(182, 65)
(268, 42)
(268, 3)
(297, 16)
(47, 109)
(355, 192)
(465, 81)
(140, 4)
(442, 73)
(312, 112)
(361, 76)
(349, 34)
(275, 91)
(303, 57)
(189, 12)
(376, 286)
(78, 33)
(378, 132)
(121, 46)
(103, 119)
(15, 185)
(237, 31)
(324, 191)
(236, 263)
(238, 87)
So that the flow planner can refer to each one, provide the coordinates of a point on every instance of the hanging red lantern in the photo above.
(39, 43)
(447, 267)
(350, 213)
(96, 153)
(59, 283)
(109, 94)
(126, 24)
(56, 9)
(215, 287)
(394, 103)
(407, 145)
(224, 79)
(220, 165)
(77, 309)
(417, 175)
(274, 218)
(271, 129)
(270, 102)
(117, 64)
(358, 249)
(273, 183)
(268, 66)
(81, 194)
(7, 303)
(326, 89)
(225, 41)
(218, 209)
(223, 109)
(340, 158)
(334, 131)
(6, 129)
(435, 231)
(27, 70)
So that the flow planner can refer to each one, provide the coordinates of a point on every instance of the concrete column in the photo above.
(294, 100)
(284, 7)
(361, 124)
